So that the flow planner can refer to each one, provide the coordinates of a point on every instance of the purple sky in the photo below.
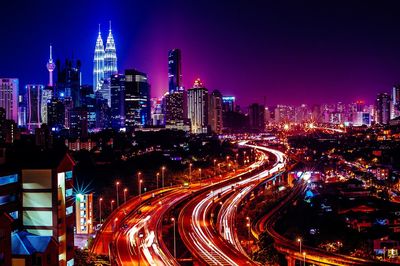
(288, 52)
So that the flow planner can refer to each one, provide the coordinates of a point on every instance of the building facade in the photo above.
(9, 97)
(215, 112)
(198, 108)
(383, 108)
(174, 70)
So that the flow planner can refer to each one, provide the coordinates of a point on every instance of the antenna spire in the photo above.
(99, 29)
(51, 53)
(110, 25)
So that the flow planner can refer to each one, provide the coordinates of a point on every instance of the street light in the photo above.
(248, 232)
(125, 190)
(157, 176)
(299, 240)
(112, 205)
(140, 239)
(215, 169)
(116, 187)
(162, 175)
(140, 188)
(100, 200)
(200, 176)
(304, 258)
(173, 220)
(138, 180)
(190, 172)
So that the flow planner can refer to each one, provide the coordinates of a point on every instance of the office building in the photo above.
(198, 108)
(174, 70)
(9, 97)
(69, 81)
(256, 116)
(137, 99)
(157, 113)
(55, 114)
(84, 213)
(47, 94)
(34, 108)
(176, 116)
(117, 101)
(110, 58)
(78, 122)
(215, 112)
(395, 102)
(228, 103)
(382, 108)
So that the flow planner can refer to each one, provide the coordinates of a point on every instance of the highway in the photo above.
(135, 229)
(196, 228)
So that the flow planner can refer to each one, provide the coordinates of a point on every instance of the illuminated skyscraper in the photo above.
(215, 112)
(395, 102)
(50, 67)
(383, 108)
(137, 99)
(118, 101)
(174, 70)
(198, 107)
(9, 98)
(110, 57)
(98, 63)
(34, 100)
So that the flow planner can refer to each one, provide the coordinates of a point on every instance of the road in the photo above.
(196, 228)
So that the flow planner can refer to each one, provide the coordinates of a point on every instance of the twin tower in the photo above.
(105, 60)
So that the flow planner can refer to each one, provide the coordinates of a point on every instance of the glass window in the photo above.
(14, 215)
(69, 210)
(68, 192)
(7, 198)
(8, 179)
(68, 175)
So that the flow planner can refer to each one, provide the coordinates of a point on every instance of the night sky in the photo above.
(291, 52)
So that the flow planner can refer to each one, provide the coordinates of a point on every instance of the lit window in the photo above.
(8, 179)
(69, 210)
(68, 175)
(68, 192)
(14, 215)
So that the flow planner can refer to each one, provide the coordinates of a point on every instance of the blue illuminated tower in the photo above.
(110, 56)
(98, 63)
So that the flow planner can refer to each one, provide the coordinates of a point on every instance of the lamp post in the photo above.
(248, 232)
(157, 176)
(299, 240)
(304, 258)
(139, 185)
(200, 176)
(162, 176)
(140, 188)
(215, 169)
(125, 191)
(140, 240)
(112, 205)
(190, 172)
(116, 187)
(100, 200)
(173, 220)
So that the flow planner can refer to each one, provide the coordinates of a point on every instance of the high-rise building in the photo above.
(78, 122)
(50, 67)
(383, 108)
(157, 114)
(256, 116)
(228, 103)
(137, 99)
(55, 114)
(98, 63)
(174, 70)
(9, 97)
(198, 107)
(176, 111)
(34, 99)
(105, 90)
(69, 81)
(47, 94)
(118, 101)
(110, 58)
(215, 112)
(395, 102)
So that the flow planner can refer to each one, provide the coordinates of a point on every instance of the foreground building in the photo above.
(198, 108)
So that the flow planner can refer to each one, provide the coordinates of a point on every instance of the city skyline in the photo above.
(351, 55)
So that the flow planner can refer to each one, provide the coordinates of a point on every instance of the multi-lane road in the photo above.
(135, 229)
